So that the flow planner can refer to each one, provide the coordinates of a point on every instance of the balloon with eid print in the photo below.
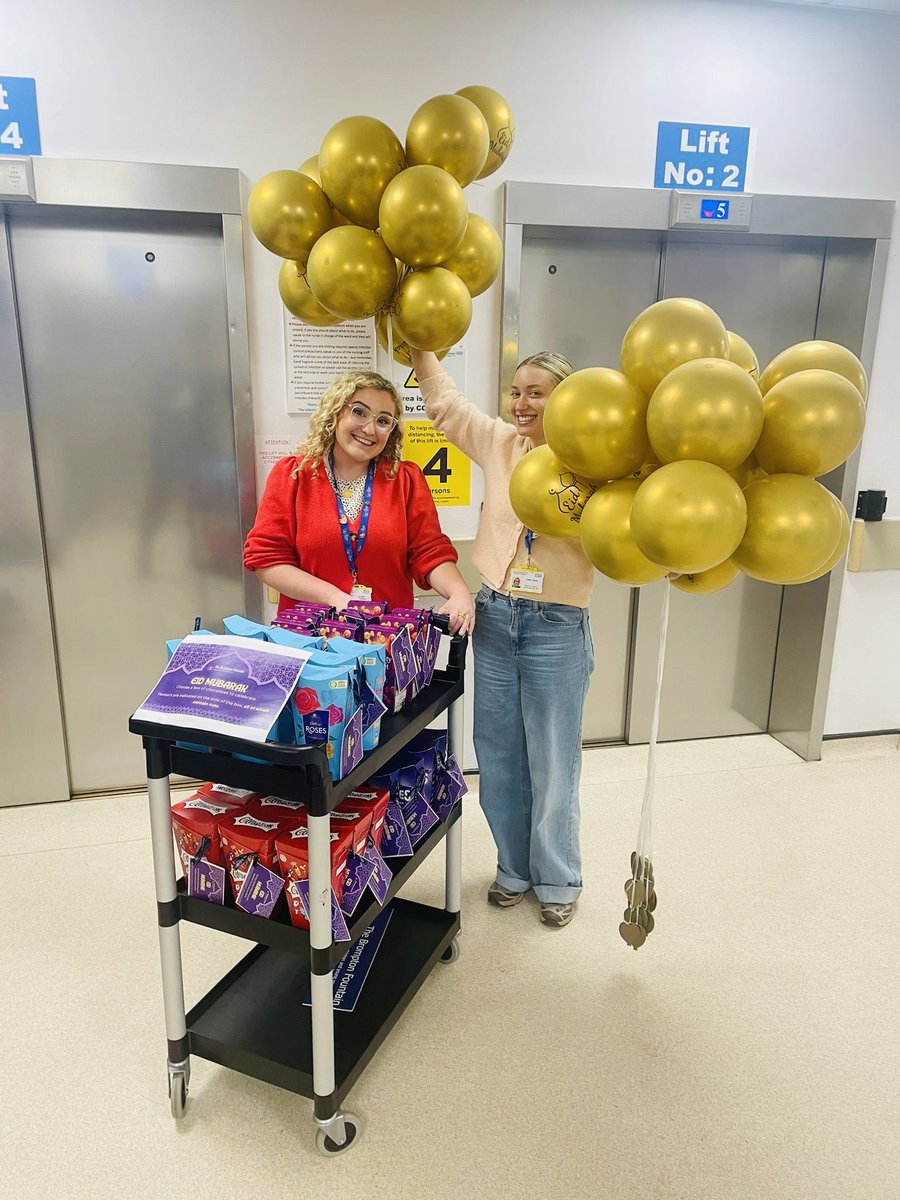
(546, 496)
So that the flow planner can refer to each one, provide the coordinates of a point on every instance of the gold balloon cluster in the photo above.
(372, 227)
(688, 460)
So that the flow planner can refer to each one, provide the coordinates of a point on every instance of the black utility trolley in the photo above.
(254, 1020)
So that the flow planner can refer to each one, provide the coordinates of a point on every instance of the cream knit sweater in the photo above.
(500, 541)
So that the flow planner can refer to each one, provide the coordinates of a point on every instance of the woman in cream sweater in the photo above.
(532, 644)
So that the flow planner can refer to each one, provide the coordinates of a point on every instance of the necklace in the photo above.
(351, 492)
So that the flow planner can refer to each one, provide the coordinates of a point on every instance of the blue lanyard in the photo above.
(529, 542)
(353, 543)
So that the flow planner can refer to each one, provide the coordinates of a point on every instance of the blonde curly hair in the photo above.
(320, 441)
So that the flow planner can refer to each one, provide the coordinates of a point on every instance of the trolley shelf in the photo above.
(277, 930)
(255, 1021)
(294, 772)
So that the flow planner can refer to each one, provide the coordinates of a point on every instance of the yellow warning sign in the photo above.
(448, 471)
(412, 382)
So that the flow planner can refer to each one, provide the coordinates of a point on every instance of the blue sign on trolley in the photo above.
(702, 156)
(19, 132)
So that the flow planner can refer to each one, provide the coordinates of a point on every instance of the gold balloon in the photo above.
(814, 422)
(299, 300)
(401, 349)
(667, 334)
(811, 356)
(741, 352)
(688, 516)
(500, 123)
(838, 552)
(792, 528)
(747, 472)
(708, 410)
(310, 167)
(358, 158)
(605, 532)
(477, 258)
(703, 582)
(432, 310)
(546, 496)
(423, 216)
(449, 132)
(351, 272)
(288, 212)
(595, 421)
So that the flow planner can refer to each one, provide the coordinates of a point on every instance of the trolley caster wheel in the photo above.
(352, 1127)
(451, 954)
(178, 1093)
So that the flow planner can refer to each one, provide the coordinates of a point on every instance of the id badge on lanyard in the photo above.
(354, 542)
(527, 577)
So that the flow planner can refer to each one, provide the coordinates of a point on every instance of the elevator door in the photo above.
(124, 339)
(579, 292)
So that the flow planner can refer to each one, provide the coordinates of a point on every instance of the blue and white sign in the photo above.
(701, 157)
(19, 132)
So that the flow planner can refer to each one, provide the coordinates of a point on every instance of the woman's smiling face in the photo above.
(531, 386)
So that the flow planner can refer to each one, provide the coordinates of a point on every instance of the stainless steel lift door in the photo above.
(32, 746)
(579, 294)
(720, 655)
(124, 333)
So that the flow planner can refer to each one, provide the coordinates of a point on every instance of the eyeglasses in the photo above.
(362, 415)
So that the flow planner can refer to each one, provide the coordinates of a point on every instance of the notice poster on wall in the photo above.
(446, 468)
(314, 357)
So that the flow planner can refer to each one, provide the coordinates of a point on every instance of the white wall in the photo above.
(256, 84)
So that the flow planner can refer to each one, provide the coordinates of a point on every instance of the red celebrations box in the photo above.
(273, 808)
(357, 820)
(195, 822)
(373, 800)
(292, 855)
(248, 838)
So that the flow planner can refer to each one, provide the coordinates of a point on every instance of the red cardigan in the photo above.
(297, 524)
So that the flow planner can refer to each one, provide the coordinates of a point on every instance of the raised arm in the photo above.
(463, 423)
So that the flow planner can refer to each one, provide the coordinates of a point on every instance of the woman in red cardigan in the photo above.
(345, 517)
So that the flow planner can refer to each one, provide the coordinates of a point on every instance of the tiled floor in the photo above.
(749, 1050)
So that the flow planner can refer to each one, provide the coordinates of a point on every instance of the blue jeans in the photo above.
(532, 666)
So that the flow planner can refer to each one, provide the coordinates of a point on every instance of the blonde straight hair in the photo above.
(556, 365)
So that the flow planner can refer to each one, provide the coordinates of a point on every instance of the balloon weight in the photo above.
(814, 422)
(477, 258)
(838, 552)
(449, 132)
(500, 123)
(351, 272)
(433, 309)
(288, 212)
(546, 496)
(688, 516)
(298, 299)
(595, 421)
(709, 410)
(741, 352)
(606, 537)
(667, 334)
(423, 215)
(793, 527)
(358, 158)
(704, 582)
(810, 356)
